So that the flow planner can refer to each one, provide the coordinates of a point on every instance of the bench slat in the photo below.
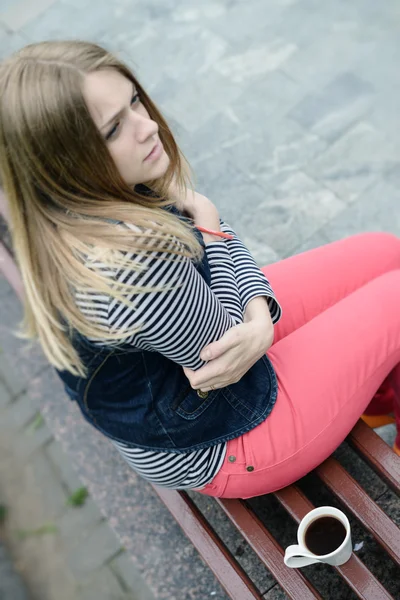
(354, 572)
(373, 518)
(213, 551)
(377, 453)
(268, 550)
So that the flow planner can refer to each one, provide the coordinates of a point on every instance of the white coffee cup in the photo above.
(299, 555)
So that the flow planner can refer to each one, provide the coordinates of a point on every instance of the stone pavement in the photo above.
(288, 111)
(82, 559)
(11, 585)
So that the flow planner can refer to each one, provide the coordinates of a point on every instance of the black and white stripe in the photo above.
(179, 323)
(176, 471)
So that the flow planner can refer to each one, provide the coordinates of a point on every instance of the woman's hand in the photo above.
(234, 354)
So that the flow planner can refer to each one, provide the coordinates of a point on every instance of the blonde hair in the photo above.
(62, 186)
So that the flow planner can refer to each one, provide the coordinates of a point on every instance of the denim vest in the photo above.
(142, 398)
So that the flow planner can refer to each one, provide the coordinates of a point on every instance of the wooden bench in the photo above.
(354, 499)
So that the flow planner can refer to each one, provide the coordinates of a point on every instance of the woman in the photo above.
(152, 310)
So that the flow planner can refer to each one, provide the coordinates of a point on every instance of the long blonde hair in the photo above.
(62, 186)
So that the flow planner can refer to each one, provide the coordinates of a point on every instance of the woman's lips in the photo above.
(156, 152)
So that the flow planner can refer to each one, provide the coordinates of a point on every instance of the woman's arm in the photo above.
(251, 281)
(179, 323)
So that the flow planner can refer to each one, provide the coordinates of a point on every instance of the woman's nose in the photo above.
(144, 127)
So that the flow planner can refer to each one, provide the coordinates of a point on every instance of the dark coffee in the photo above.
(324, 535)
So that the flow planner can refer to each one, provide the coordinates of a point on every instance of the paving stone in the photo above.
(26, 355)
(328, 55)
(13, 381)
(5, 287)
(130, 577)
(357, 161)
(227, 131)
(62, 463)
(21, 12)
(5, 397)
(31, 440)
(135, 33)
(104, 584)
(196, 101)
(11, 585)
(238, 125)
(314, 241)
(53, 493)
(376, 210)
(268, 155)
(100, 546)
(10, 43)
(244, 24)
(195, 50)
(19, 413)
(379, 66)
(77, 523)
(266, 99)
(222, 182)
(291, 213)
(387, 433)
(256, 61)
(333, 110)
(311, 15)
(61, 21)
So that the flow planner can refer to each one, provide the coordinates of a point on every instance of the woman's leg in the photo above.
(327, 370)
(309, 283)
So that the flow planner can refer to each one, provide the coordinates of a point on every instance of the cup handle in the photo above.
(297, 557)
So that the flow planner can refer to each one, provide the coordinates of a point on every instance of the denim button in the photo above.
(232, 458)
(202, 394)
(250, 468)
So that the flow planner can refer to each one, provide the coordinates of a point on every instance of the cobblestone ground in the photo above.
(287, 108)
(288, 111)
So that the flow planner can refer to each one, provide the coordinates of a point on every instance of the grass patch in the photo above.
(37, 422)
(78, 497)
(42, 530)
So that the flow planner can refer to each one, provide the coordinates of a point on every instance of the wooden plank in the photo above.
(292, 581)
(354, 572)
(213, 551)
(372, 517)
(377, 453)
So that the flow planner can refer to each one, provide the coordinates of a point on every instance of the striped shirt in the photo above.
(179, 323)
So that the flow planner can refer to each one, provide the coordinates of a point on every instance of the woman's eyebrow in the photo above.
(119, 113)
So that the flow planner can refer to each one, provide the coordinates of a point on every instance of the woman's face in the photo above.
(124, 123)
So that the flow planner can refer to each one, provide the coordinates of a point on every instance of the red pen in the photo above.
(226, 236)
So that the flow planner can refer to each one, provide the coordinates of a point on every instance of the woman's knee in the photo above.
(382, 240)
(381, 247)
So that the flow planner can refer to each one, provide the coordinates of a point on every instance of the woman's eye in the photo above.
(135, 99)
(112, 132)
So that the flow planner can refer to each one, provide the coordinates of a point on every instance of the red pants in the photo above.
(337, 341)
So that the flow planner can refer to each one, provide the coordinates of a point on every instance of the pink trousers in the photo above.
(337, 341)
